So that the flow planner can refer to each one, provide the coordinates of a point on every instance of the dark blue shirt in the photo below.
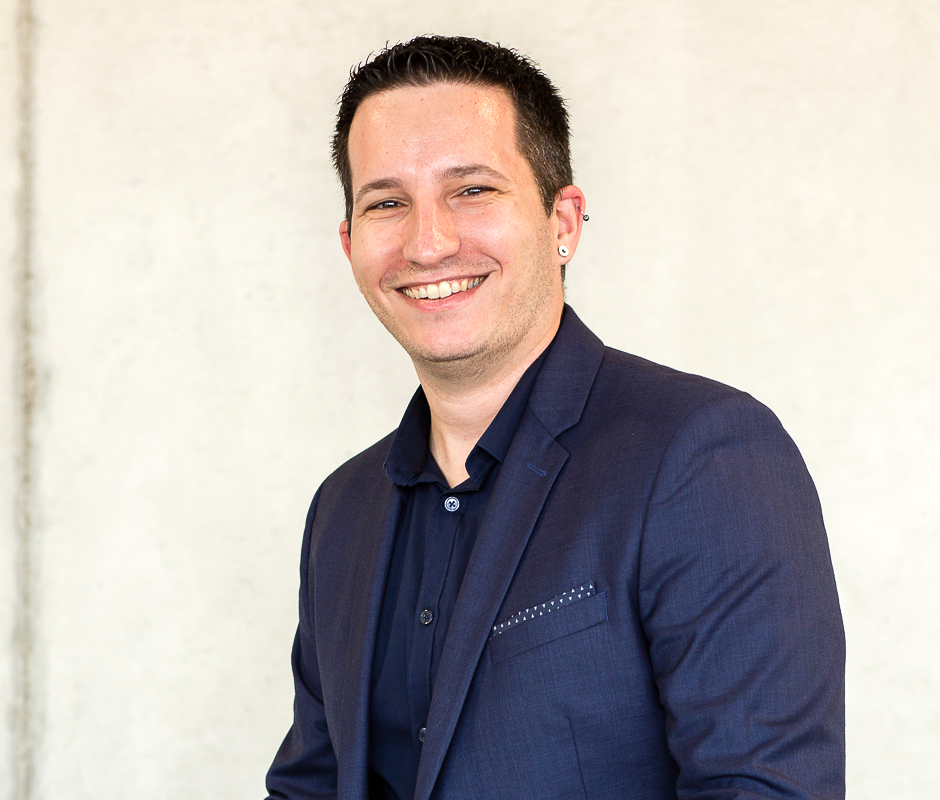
(435, 537)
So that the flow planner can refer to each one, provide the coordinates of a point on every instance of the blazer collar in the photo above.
(565, 381)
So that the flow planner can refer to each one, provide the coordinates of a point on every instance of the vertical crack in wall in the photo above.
(23, 784)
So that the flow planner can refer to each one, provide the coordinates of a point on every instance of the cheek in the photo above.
(489, 234)
(363, 266)
(368, 278)
(371, 257)
(377, 242)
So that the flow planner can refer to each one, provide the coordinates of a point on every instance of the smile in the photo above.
(437, 291)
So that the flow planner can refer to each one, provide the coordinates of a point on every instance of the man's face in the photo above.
(449, 241)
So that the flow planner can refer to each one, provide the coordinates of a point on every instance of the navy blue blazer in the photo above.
(705, 658)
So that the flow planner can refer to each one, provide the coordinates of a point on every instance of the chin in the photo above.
(440, 346)
(441, 350)
(441, 355)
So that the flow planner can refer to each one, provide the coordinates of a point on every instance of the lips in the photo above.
(436, 291)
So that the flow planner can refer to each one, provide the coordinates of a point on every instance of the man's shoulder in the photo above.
(640, 381)
(633, 395)
(363, 469)
(589, 389)
(354, 495)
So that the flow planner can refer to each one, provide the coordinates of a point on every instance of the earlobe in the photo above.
(345, 240)
(569, 211)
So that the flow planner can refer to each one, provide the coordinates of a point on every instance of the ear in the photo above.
(344, 239)
(570, 206)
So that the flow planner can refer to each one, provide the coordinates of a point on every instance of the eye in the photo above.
(384, 205)
(476, 191)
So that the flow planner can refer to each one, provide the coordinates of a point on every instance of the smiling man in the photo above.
(570, 572)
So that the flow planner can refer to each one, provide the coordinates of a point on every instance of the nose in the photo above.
(430, 234)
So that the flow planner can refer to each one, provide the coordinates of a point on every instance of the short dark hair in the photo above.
(541, 118)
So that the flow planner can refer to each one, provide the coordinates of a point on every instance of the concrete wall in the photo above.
(12, 470)
(762, 182)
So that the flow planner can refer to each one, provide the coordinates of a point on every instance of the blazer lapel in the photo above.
(358, 602)
(526, 477)
(517, 500)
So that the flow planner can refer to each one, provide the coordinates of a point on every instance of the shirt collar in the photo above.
(409, 450)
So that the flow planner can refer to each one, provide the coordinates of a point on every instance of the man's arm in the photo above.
(739, 604)
(305, 764)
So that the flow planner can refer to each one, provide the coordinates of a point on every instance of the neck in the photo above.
(464, 399)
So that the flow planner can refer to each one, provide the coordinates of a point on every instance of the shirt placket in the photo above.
(448, 512)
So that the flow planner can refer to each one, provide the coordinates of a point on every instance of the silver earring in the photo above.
(562, 251)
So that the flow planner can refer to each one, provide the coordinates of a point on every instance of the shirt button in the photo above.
(426, 617)
(421, 734)
(451, 504)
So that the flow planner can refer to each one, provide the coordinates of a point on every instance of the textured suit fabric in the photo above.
(707, 663)
(432, 548)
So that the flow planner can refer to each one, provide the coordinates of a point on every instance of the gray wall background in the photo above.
(762, 180)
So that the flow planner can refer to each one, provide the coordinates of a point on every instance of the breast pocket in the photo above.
(540, 630)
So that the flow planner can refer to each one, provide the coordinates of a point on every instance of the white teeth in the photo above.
(436, 291)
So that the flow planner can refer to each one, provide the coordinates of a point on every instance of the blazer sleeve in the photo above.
(305, 765)
(738, 600)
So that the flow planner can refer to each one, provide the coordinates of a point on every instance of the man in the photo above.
(570, 573)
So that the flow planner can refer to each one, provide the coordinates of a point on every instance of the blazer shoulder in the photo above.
(360, 476)
(655, 415)
(637, 386)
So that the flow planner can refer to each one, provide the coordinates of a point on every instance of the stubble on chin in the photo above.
(499, 350)
(487, 350)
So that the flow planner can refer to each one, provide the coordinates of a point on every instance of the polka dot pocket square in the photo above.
(567, 613)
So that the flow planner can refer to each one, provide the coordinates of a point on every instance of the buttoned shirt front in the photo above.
(433, 543)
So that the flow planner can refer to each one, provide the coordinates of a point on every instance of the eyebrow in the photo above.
(449, 174)
(376, 186)
(455, 173)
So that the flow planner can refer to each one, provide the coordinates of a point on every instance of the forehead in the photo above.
(438, 126)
